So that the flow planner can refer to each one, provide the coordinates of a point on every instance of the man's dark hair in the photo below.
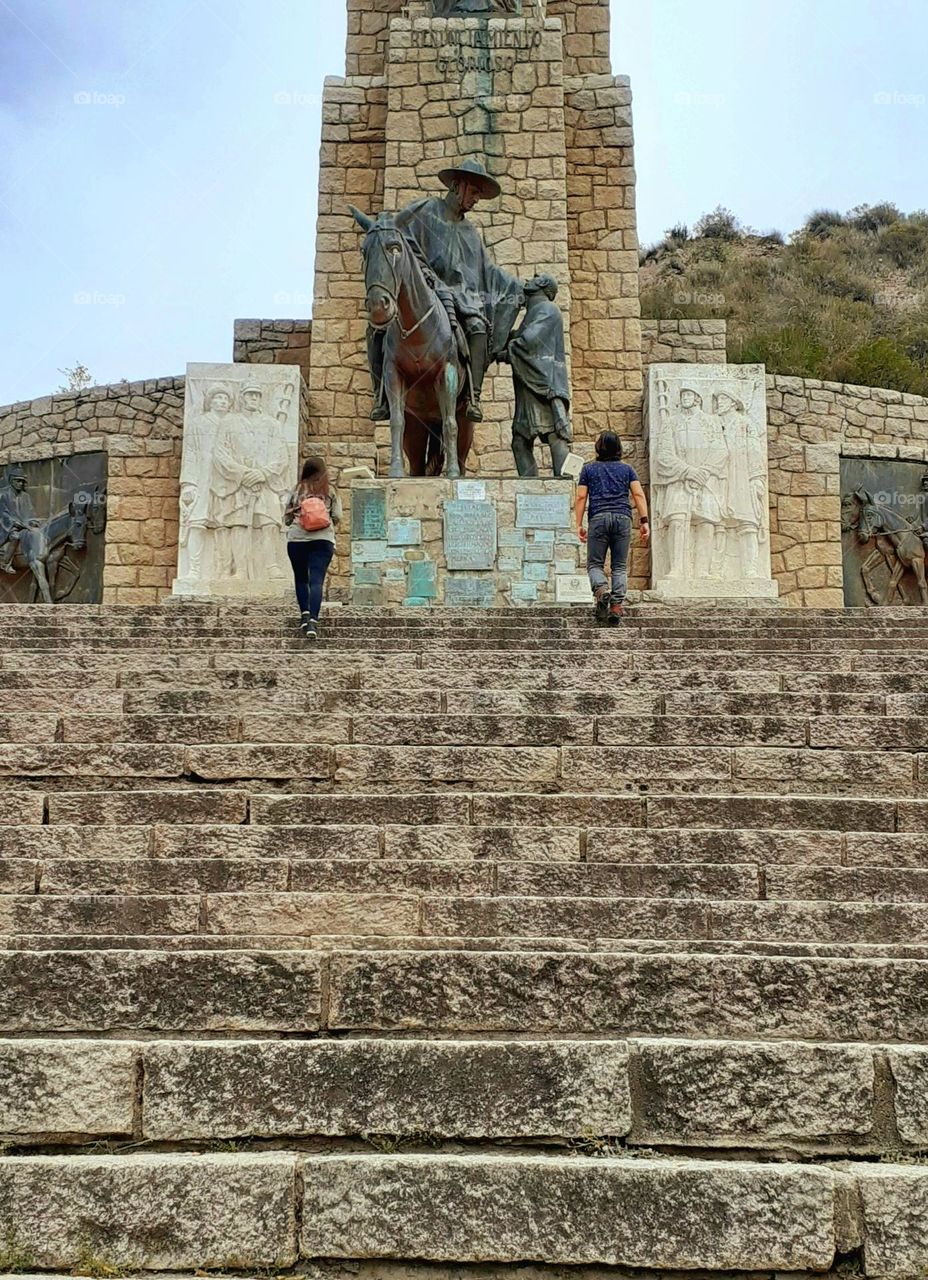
(608, 447)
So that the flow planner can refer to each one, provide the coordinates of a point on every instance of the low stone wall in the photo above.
(810, 426)
(684, 341)
(140, 426)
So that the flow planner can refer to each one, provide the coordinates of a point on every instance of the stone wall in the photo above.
(810, 425)
(684, 341)
(140, 426)
(273, 342)
(351, 172)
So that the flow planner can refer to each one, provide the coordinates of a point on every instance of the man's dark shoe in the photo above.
(474, 411)
(616, 614)
(311, 631)
(601, 596)
(380, 413)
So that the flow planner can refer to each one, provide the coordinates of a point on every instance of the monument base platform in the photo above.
(231, 589)
(740, 590)
(488, 543)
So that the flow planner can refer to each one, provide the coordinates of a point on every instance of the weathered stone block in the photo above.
(724, 996)
(466, 1090)
(726, 1094)
(909, 1066)
(151, 1212)
(112, 808)
(895, 1214)
(103, 991)
(626, 1213)
(75, 1087)
(312, 913)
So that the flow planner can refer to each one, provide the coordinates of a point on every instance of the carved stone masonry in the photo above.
(707, 428)
(473, 8)
(241, 432)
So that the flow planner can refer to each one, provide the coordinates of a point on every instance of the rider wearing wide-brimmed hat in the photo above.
(482, 299)
(16, 514)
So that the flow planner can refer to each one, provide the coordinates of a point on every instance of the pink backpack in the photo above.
(314, 515)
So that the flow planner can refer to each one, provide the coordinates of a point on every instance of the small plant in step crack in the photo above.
(92, 1264)
(387, 1144)
(904, 1157)
(602, 1146)
(15, 1256)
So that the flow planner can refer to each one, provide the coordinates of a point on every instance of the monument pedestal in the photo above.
(484, 544)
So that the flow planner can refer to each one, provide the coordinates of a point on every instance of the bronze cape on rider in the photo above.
(16, 514)
(482, 300)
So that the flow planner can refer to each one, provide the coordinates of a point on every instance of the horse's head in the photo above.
(384, 251)
(97, 513)
(79, 510)
(870, 521)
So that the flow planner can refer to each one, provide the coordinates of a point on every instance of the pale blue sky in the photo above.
(158, 173)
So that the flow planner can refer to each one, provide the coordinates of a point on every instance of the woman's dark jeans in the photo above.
(610, 532)
(310, 562)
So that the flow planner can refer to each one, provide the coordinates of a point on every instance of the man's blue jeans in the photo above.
(609, 532)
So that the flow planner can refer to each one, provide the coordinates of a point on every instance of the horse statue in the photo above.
(425, 377)
(897, 543)
(44, 547)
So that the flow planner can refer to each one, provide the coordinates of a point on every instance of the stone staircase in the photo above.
(463, 938)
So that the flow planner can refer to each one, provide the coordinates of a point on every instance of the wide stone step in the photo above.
(154, 875)
(601, 993)
(176, 1212)
(788, 1096)
(721, 812)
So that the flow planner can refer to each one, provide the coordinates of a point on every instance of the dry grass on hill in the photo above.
(845, 299)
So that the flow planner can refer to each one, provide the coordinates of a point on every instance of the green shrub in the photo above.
(905, 242)
(720, 224)
(789, 350)
(822, 223)
(873, 217)
(883, 364)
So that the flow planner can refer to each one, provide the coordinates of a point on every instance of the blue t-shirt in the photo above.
(609, 485)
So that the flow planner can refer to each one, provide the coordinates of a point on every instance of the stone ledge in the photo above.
(622, 1213)
(150, 1212)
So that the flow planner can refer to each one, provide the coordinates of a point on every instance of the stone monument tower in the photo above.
(525, 89)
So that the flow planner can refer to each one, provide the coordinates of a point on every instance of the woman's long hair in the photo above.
(314, 478)
(608, 447)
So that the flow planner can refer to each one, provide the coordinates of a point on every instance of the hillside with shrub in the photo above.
(844, 299)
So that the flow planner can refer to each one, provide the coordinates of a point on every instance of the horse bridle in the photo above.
(394, 298)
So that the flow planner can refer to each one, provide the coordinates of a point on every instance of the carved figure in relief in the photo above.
(691, 472)
(536, 353)
(17, 513)
(204, 544)
(897, 544)
(745, 488)
(249, 487)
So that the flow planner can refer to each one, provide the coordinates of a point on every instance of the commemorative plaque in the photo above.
(472, 593)
(543, 511)
(369, 515)
(470, 535)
